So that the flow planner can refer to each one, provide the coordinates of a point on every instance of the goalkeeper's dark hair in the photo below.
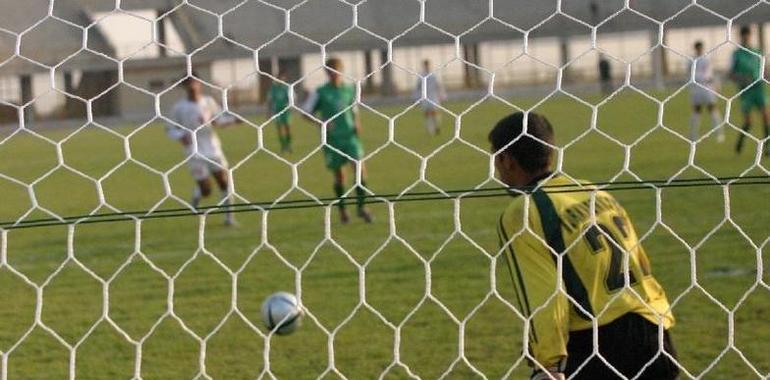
(530, 148)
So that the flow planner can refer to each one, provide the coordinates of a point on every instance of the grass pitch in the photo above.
(180, 297)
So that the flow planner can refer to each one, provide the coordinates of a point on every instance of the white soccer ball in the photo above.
(281, 313)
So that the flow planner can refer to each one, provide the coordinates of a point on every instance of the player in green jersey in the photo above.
(334, 103)
(577, 264)
(277, 105)
(746, 71)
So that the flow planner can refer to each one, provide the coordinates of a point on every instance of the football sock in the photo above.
(361, 195)
(226, 201)
(430, 125)
(339, 190)
(196, 197)
(716, 120)
(739, 144)
(694, 126)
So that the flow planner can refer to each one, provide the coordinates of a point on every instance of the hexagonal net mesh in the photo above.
(150, 205)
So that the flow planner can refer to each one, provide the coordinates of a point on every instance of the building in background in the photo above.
(143, 50)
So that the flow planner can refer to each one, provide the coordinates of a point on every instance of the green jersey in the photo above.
(279, 96)
(334, 105)
(747, 63)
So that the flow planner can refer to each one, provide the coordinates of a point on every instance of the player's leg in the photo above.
(628, 344)
(202, 190)
(607, 87)
(282, 137)
(280, 134)
(746, 108)
(760, 101)
(339, 191)
(431, 119)
(580, 349)
(279, 123)
(766, 123)
(223, 182)
(200, 173)
(335, 162)
(429, 124)
(286, 131)
(354, 152)
(287, 135)
(716, 121)
(436, 120)
(640, 339)
(363, 211)
(695, 121)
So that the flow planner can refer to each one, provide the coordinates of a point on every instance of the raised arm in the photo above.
(174, 129)
(221, 120)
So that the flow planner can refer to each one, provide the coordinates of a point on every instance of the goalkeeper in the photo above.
(582, 245)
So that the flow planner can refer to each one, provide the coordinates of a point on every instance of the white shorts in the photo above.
(201, 168)
(700, 96)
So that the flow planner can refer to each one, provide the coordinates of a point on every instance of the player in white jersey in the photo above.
(431, 98)
(198, 114)
(702, 94)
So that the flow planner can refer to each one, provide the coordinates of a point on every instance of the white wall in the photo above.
(502, 57)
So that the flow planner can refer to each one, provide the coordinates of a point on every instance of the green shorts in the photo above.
(753, 97)
(282, 118)
(351, 149)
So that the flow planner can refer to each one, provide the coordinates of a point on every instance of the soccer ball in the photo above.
(281, 313)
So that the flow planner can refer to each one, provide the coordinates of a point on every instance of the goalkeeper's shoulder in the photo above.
(512, 220)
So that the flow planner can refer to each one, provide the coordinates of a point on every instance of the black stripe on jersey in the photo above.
(509, 264)
(552, 231)
(513, 263)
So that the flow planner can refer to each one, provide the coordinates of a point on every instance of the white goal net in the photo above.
(132, 248)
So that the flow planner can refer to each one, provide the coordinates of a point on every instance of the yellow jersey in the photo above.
(574, 256)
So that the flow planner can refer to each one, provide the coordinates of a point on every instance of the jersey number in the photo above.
(615, 278)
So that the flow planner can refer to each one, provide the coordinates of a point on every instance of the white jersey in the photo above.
(704, 73)
(197, 116)
(703, 88)
(434, 91)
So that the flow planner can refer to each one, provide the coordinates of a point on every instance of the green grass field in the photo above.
(358, 275)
